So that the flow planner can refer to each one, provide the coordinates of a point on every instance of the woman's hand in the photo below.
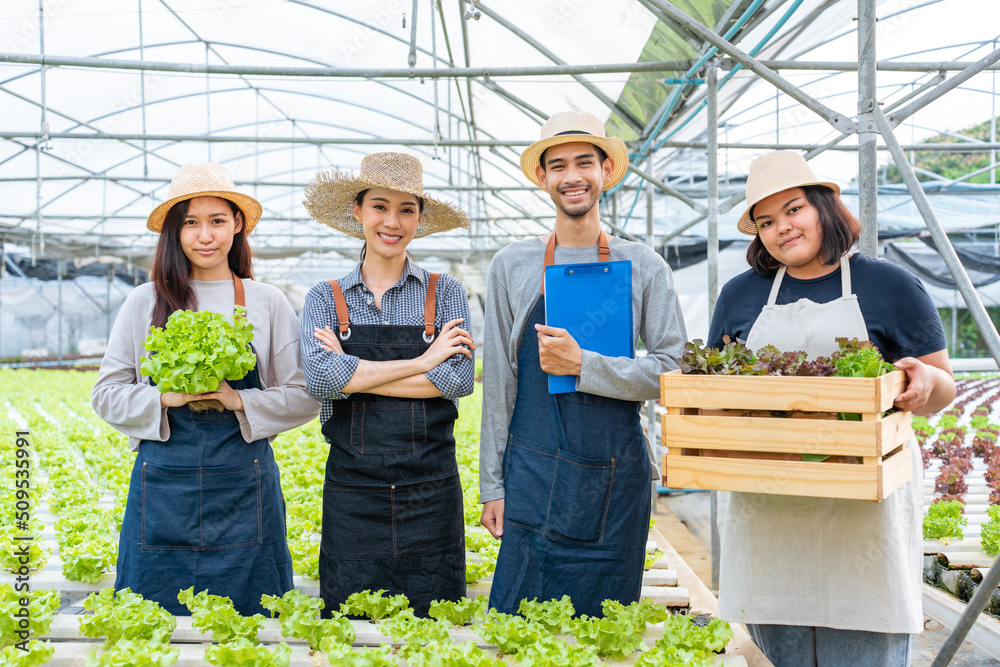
(329, 338)
(930, 385)
(229, 397)
(449, 342)
(175, 399)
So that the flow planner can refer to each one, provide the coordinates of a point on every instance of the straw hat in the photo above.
(774, 172)
(204, 180)
(573, 126)
(330, 196)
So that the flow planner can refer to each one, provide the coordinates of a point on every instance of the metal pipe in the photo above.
(867, 140)
(712, 214)
(840, 122)
(346, 72)
(649, 203)
(673, 192)
(989, 333)
(523, 104)
(411, 59)
(541, 48)
(848, 66)
(952, 83)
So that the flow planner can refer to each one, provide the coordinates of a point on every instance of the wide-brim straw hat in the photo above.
(205, 180)
(774, 172)
(330, 195)
(570, 127)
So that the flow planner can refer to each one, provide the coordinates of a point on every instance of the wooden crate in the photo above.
(720, 434)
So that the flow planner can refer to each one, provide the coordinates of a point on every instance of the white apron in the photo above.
(794, 560)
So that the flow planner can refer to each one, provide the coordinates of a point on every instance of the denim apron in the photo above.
(205, 509)
(392, 499)
(576, 490)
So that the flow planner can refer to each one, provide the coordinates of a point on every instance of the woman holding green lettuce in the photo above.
(204, 507)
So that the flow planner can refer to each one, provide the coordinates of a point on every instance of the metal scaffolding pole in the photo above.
(346, 72)
(988, 331)
(952, 83)
(712, 213)
(867, 141)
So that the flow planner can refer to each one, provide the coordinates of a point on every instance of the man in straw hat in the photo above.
(565, 478)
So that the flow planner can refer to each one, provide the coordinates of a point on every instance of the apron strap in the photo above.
(845, 275)
(603, 252)
(343, 323)
(240, 295)
(775, 286)
(430, 306)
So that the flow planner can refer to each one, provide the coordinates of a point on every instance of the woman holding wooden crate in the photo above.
(385, 349)
(817, 580)
(204, 504)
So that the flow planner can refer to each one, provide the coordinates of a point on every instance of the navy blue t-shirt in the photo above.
(899, 314)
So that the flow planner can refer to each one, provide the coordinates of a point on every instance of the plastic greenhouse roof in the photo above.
(87, 195)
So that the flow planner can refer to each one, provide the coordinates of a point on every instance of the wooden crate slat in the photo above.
(767, 392)
(767, 434)
(802, 478)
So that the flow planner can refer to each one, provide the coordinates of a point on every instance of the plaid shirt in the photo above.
(327, 373)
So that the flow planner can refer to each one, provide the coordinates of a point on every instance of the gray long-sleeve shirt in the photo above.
(124, 398)
(513, 286)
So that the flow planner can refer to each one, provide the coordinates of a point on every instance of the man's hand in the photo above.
(229, 397)
(558, 352)
(492, 518)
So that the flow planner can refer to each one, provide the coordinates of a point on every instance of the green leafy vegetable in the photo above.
(555, 652)
(460, 612)
(244, 652)
(406, 627)
(196, 351)
(510, 634)
(216, 614)
(38, 653)
(555, 615)
(372, 656)
(375, 605)
(945, 519)
(134, 653)
(615, 638)
(300, 618)
(125, 615)
(450, 654)
(42, 604)
(990, 531)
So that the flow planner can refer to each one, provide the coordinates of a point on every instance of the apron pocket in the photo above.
(230, 507)
(357, 522)
(384, 428)
(581, 490)
(200, 508)
(427, 517)
(528, 477)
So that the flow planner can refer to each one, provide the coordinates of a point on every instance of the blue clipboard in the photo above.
(593, 302)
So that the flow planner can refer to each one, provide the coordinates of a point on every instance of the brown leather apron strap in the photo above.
(343, 323)
(430, 306)
(603, 251)
(241, 299)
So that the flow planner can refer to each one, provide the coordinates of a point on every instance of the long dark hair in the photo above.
(172, 270)
(359, 199)
(839, 227)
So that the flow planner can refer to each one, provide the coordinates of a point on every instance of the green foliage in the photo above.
(375, 606)
(860, 359)
(299, 615)
(733, 359)
(615, 638)
(136, 631)
(372, 656)
(555, 652)
(510, 634)
(945, 519)
(244, 652)
(651, 559)
(10, 549)
(406, 627)
(947, 421)
(990, 531)
(38, 653)
(638, 613)
(196, 351)
(458, 613)
(125, 615)
(554, 615)
(450, 654)
(216, 614)
(42, 604)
